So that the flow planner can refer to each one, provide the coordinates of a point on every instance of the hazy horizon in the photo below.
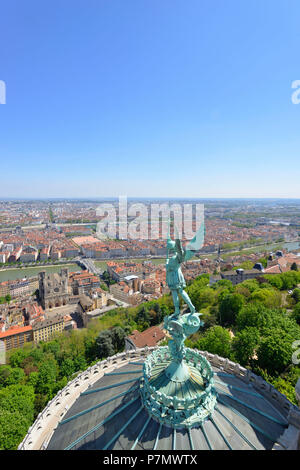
(148, 198)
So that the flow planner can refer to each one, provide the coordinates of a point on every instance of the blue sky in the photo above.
(171, 98)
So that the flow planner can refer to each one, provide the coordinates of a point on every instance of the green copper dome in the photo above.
(111, 414)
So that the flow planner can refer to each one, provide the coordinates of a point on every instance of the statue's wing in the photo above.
(195, 244)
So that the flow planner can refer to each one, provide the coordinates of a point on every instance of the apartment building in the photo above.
(236, 276)
(118, 271)
(124, 293)
(19, 287)
(15, 255)
(44, 253)
(46, 329)
(70, 252)
(83, 282)
(16, 336)
(4, 256)
(28, 255)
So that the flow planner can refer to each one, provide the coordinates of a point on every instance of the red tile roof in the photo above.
(273, 270)
(149, 337)
(15, 330)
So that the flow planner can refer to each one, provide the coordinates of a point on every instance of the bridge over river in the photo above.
(88, 264)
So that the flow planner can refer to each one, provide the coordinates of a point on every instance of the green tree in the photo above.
(225, 283)
(266, 320)
(52, 347)
(240, 289)
(29, 365)
(118, 338)
(252, 315)
(296, 313)
(290, 279)
(11, 376)
(105, 344)
(80, 363)
(33, 379)
(296, 295)
(209, 319)
(275, 280)
(40, 402)
(229, 307)
(294, 267)
(217, 341)
(13, 428)
(195, 288)
(244, 344)
(292, 375)
(47, 377)
(67, 368)
(91, 348)
(275, 351)
(165, 310)
(107, 278)
(269, 297)
(250, 284)
(202, 297)
(16, 357)
(143, 317)
(59, 385)
(18, 398)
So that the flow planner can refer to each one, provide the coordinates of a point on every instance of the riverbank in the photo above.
(11, 274)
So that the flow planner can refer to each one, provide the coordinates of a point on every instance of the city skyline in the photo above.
(122, 97)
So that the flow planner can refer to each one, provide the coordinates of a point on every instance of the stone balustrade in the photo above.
(266, 389)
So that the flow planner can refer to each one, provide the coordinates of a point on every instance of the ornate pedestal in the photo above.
(177, 389)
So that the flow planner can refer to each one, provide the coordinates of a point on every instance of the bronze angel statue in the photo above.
(174, 276)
